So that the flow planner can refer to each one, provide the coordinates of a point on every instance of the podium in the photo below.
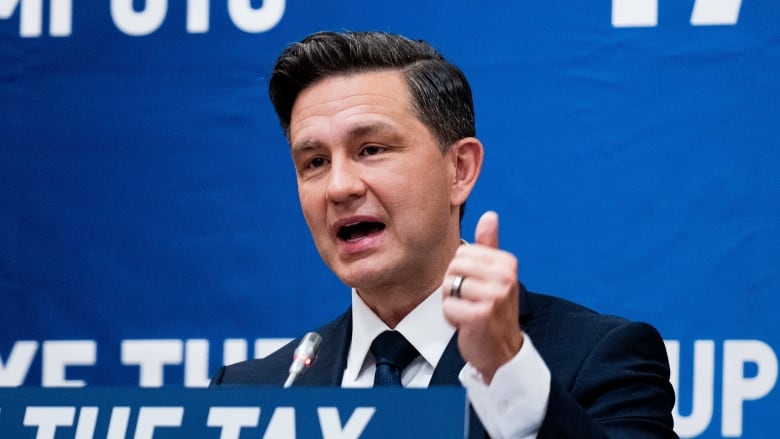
(232, 413)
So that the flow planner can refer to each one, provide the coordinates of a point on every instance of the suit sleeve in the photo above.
(621, 390)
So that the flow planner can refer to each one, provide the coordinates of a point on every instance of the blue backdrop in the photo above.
(150, 229)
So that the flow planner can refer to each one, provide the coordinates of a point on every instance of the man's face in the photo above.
(374, 187)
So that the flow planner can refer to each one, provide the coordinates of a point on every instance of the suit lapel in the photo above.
(328, 368)
(450, 364)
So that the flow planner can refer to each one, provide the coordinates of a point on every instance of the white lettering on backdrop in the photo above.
(144, 21)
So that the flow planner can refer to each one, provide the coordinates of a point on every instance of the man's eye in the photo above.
(316, 162)
(372, 150)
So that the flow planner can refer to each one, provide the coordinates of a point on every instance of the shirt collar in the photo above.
(425, 328)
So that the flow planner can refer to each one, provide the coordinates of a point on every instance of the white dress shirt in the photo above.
(512, 406)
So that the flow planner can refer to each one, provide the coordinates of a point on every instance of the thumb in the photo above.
(487, 229)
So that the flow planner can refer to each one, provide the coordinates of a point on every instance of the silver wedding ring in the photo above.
(457, 283)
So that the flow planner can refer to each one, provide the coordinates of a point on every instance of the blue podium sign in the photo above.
(232, 413)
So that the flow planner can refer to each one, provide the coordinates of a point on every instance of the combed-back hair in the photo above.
(441, 95)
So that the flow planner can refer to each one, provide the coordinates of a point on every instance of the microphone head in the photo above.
(305, 352)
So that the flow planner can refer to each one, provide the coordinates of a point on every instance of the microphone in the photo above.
(303, 356)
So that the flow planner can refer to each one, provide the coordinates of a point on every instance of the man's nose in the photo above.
(345, 181)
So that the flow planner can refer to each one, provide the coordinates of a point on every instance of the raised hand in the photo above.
(486, 313)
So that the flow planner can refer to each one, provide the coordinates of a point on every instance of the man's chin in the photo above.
(362, 276)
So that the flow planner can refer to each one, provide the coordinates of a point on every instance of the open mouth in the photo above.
(354, 232)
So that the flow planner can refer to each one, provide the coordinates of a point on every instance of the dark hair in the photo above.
(441, 95)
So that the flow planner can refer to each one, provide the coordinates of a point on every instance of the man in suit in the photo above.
(381, 131)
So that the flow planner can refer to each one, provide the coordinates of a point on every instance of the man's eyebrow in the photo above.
(388, 132)
(304, 145)
(377, 128)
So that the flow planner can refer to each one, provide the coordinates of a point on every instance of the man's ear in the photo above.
(467, 155)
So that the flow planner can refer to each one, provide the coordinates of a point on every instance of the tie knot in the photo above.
(393, 350)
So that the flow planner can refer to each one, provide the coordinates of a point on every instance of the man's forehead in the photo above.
(358, 104)
(339, 86)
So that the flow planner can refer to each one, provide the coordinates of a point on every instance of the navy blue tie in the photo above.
(393, 353)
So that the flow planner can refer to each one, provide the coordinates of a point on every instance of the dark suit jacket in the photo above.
(610, 377)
